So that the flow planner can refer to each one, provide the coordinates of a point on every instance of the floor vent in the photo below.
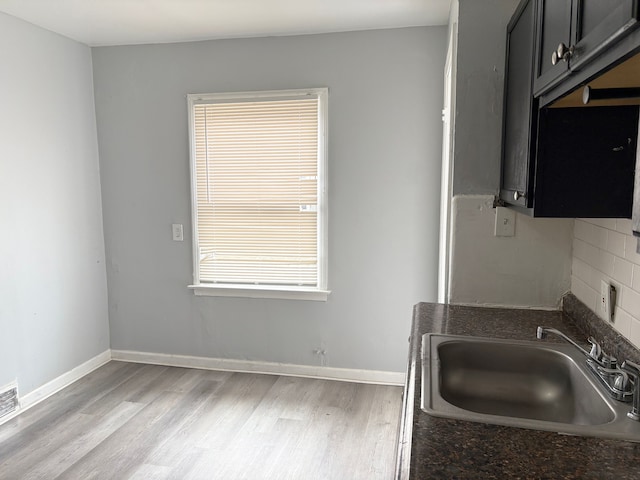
(8, 400)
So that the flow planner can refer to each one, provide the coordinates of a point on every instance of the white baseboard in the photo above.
(248, 366)
(376, 377)
(64, 380)
(41, 393)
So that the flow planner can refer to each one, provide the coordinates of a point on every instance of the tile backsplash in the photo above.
(605, 249)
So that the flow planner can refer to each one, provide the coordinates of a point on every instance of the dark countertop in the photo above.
(434, 448)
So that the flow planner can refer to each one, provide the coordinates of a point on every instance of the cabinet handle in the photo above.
(562, 53)
(517, 195)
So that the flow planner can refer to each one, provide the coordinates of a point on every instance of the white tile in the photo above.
(623, 225)
(596, 277)
(599, 236)
(630, 245)
(630, 301)
(622, 322)
(579, 249)
(615, 243)
(583, 231)
(620, 295)
(622, 271)
(634, 333)
(584, 293)
(587, 253)
(582, 271)
(608, 223)
(593, 256)
(585, 220)
(605, 263)
(635, 282)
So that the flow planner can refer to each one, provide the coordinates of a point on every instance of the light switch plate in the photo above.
(505, 222)
(178, 234)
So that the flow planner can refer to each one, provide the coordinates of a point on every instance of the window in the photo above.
(258, 180)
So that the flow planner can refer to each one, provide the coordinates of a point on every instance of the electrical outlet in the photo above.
(605, 307)
(608, 297)
(322, 354)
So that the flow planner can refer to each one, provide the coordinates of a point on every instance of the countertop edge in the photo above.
(420, 456)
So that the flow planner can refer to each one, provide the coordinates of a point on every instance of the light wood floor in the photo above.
(132, 421)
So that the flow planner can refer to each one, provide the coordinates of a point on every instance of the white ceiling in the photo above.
(125, 22)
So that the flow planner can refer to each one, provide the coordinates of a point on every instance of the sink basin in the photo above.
(519, 381)
(536, 385)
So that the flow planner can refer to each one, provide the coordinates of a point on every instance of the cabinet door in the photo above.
(586, 162)
(597, 24)
(554, 29)
(519, 108)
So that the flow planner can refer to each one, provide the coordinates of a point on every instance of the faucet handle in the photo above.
(631, 368)
(607, 361)
(621, 381)
(596, 349)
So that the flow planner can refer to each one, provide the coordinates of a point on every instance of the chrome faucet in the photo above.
(605, 368)
(596, 353)
(633, 370)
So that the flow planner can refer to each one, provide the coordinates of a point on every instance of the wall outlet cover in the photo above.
(178, 235)
(605, 301)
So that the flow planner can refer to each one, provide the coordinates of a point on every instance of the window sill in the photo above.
(246, 291)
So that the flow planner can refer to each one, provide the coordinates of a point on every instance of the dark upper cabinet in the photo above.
(554, 29)
(573, 32)
(520, 108)
(561, 162)
(582, 164)
(585, 162)
(597, 24)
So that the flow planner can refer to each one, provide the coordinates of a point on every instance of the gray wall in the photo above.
(53, 308)
(532, 268)
(384, 171)
(479, 89)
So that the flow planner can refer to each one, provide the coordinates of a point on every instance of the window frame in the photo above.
(318, 292)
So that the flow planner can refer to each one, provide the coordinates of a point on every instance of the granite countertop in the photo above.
(434, 448)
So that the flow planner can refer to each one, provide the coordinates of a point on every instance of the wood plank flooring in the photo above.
(146, 422)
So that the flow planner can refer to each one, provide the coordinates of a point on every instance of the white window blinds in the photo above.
(256, 175)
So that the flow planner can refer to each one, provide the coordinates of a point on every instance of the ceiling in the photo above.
(126, 22)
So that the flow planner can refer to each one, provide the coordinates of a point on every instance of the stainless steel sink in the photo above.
(521, 384)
